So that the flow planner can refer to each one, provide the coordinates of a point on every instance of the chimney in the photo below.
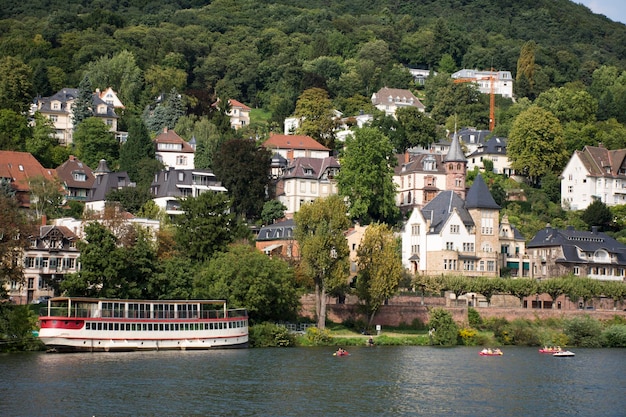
(594, 230)
(165, 129)
(406, 157)
(44, 219)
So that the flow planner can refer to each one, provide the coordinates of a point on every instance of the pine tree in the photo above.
(138, 146)
(83, 104)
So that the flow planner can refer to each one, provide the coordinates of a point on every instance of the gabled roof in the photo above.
(571, 240)
(64, 231)
(277, 231)
(420, 162)
(169, 183)
(19, 167)
(313, 168)
(294, 142)
(479, 136)
(440, 208)
(67, 169)
(235, 103)
(66, 96)
(479, 196)
(170, 136)
(601, 162)
(398, 96)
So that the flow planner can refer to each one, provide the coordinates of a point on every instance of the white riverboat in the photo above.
(93, 324)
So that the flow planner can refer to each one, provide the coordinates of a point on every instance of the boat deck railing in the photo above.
(148, 315)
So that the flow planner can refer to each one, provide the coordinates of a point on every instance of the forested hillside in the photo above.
(265, 53)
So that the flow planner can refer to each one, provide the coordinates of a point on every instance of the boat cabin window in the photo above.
(164, 311)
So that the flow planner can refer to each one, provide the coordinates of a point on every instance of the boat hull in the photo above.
(65, 344)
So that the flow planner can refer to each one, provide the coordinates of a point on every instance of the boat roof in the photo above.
(122, 300)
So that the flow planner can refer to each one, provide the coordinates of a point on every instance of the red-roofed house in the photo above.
(296, 146)
(239, 114)
(19, 168)
(173, 150)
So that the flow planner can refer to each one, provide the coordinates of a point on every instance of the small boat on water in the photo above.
(490, 352)
(341, 352)
(563, 354)
(69, 324)
(550, 350)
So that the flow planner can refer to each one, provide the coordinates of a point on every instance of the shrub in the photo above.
(317, 336)
(583, 331)
(614, 336)
(523, 332)
(270, 335)
(445, 330)
(474, 319)
(468, 336)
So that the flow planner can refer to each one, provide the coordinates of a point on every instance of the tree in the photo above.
(366, 176)
(16, 88)
(102, 265)
(94, 142)
(598, 214)
(379, 267)
(83, 104)
(164, 114)
(14, 130)
(554, 287)
(525, 79)
(444, 329)
(205, 226)
(324, 251)
(138, 146)
(569, 104)
(272, 211)
(14, 232)
(119, 72)
(243, 169)
(131, 199)
(536, 145)
(42, 142)
(521, 288)
(315, 110)
(46, 196)
(418, 129)
(246, 277)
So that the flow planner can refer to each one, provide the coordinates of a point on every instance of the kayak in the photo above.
(340, 354)
(490, 353)
(549, 350)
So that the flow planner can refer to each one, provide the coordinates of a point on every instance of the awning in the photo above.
(271, 248)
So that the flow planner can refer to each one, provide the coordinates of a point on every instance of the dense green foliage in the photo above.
(444, 331)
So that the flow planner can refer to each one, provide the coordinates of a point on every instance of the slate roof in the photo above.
(571, 240)
(66, 96)
(277, 231)
(73, 165)
(106, 182)
(440, 208)
(294, 142)
(317, 166)
(494, 146)
(479, 196)
(168, 183)
(480, 136)
(455, 154)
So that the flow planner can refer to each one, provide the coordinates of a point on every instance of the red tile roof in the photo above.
(20, 167)
(169, 136)
(294, 142)
(235, 103)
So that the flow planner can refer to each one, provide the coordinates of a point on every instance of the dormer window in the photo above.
(79, 176)
(308, 171)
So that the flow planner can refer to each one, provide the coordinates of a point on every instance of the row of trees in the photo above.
(577, 289)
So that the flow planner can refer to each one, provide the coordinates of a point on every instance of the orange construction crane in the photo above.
(492, 95)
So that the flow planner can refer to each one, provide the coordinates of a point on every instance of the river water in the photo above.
(378, 381)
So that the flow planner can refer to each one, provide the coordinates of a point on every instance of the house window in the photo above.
(570, 189)
(53, 118)
(454, 228)
(109, 122)
(468, 247)
(55, 106)
(449, 245)
(415, 229)
(29, 262)
(415, 249)
(181, 160)
(79, 176)
(491, 266)
(449, 264)
(468, 265)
